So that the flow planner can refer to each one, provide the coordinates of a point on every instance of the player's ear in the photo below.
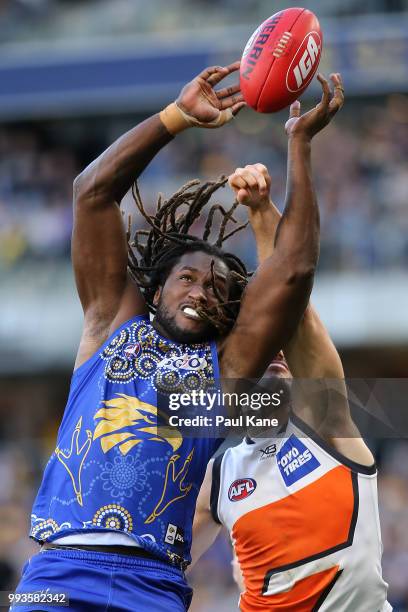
(157, 295)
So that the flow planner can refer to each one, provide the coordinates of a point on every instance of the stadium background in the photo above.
(74, 75)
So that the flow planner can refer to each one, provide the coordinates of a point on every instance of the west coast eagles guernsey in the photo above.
(114, 470)
(304, 523)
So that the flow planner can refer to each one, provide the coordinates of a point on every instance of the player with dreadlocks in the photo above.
(115, 508)
(168, 239)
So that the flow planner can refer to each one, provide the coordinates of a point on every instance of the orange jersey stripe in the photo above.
(288, 532)
(303, 597)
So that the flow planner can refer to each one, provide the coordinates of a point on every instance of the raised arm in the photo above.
(276, 298)
(99, 245)
(321, 389)
(310, 353)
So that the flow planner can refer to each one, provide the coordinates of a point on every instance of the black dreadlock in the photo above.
(154, 252)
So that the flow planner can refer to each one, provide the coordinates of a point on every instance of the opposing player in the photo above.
(306, 529)
(115, 508)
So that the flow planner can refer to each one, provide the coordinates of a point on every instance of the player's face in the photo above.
(278, 368)
(278, 379)
(188, 286)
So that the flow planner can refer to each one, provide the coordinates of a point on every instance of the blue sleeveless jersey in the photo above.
(113, 468)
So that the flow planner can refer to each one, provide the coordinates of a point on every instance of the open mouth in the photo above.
(278, 366)
(191, 313)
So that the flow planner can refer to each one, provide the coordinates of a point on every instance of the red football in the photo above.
(280, 59)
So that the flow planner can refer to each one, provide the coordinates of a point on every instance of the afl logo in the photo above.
(131, 351)
(241, 489)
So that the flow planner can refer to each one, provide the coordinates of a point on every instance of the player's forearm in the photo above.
(311, 352)
(205, 532)
(112, 174)
(297, 235)
(264, 223)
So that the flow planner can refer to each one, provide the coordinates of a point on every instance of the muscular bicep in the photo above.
(99, 255)
(99, 249)
(272, 306)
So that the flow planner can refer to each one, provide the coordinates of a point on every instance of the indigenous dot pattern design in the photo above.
(113, 516)
(122, 486)
(123, 476)
(138, 352)
(43, 528)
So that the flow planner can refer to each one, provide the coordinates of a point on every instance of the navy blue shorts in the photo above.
(104, 582)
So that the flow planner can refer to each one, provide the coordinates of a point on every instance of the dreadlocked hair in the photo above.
(153, 252)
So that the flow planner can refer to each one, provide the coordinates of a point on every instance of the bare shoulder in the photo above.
(99, 326)
(338, 433)
(354, 449)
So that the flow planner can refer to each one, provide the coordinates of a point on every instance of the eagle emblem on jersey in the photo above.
(126, 421)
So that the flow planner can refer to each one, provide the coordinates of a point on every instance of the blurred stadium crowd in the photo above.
(362, 183)
(360, 169)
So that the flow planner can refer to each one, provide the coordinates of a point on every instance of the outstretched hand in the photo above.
(200, 100)
(315, 120)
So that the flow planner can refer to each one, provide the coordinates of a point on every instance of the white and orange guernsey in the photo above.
(304, 523)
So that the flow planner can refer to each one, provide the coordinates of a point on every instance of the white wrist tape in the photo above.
(176, 120)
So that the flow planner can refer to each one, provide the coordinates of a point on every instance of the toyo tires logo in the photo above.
(240, 489)
(305, 62)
